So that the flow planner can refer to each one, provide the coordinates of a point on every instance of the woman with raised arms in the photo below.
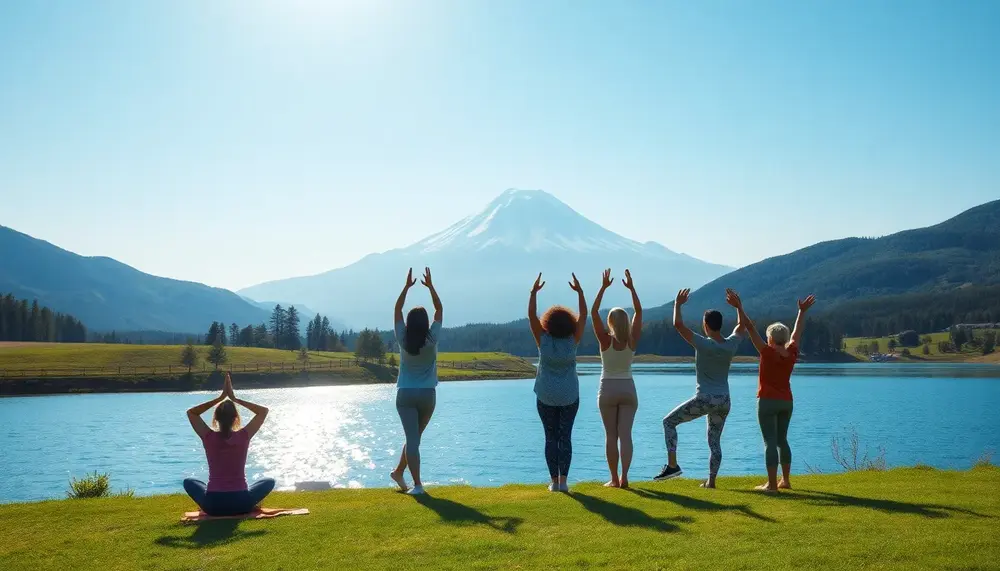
(416, 392)
(557, 387)
(227, 493)
(774, 390)
(616, 397)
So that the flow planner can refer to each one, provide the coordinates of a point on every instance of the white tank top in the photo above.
(616, 364)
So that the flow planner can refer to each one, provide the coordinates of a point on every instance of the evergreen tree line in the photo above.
(282, 332)
(321, 337)
(20, 321)
(922, 312)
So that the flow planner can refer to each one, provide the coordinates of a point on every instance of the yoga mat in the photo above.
(259, 513)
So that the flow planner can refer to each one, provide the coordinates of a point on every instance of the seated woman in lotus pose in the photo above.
(774, 391)
(616, 397)
(416, 393)
(557, 386)
(226, 451)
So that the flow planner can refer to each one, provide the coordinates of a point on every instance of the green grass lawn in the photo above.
(916, 353)
(901, 519)
(71, 359)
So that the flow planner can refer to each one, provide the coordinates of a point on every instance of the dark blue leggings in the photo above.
(228, 503)
(558, 424)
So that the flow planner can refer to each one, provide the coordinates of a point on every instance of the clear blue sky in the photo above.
(298, 136)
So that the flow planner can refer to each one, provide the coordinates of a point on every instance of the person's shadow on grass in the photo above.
(625, 516)
(460, 514)
(209, 534)
(699, 504)
(830, 499)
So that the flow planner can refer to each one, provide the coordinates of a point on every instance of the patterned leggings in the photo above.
(716, 407)
(557, 421)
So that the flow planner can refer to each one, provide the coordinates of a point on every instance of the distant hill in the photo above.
(484, 265)
(959, 252)
(106, 294)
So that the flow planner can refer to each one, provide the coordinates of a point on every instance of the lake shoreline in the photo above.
(46, 386)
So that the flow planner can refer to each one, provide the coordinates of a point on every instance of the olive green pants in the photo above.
(774, 416)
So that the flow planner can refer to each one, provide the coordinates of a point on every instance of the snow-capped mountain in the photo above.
(484, 265)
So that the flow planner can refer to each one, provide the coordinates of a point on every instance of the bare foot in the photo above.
(612, 484)
(708, 485)
(398, 478)
(766, 488)
(784, 485)
(624, 484)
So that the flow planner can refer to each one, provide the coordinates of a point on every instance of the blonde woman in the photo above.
(616, 397)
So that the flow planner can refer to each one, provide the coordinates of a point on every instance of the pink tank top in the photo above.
(227, 461)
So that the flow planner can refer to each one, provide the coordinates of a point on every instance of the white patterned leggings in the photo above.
(716, 408)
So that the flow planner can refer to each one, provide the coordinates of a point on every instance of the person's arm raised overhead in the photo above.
(733, 299)
(603, 338)
(259, 412)
(637, 317)
(194, 413)
(397, 316)
(536, 325)
(683, 330)
(581, 323)
(438, 310)
(800, 319)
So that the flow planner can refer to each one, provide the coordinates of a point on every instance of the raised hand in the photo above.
(682, 297)
(627, 282)
(426, 281)
(539, 284)
(227, 388)
(575, 284)
(607, 280)
(805, 304)
(733, 299)
(410, 282)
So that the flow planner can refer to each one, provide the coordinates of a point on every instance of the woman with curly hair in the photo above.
(557, 386)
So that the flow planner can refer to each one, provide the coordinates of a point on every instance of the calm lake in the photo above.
(487, 433)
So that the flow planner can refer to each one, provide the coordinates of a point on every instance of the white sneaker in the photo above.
(553, 487)
(417, 491)
(400, 481)
(564, 488)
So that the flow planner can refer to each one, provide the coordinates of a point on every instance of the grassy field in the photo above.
(916, 353)
(95, 359)
(901, 519)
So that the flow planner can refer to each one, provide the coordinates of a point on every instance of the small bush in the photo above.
(924, 467)
(95, 486)
(985, 460)
(92, 486)
(849, 453)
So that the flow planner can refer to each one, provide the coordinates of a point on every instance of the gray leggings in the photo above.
(774, 416)
(415, 407)
(716, 408)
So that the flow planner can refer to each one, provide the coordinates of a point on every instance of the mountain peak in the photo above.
(529, 221)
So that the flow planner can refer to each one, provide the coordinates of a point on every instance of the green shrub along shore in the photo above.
(908, 518)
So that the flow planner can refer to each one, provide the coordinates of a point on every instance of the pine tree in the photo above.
(213, 333)
(260, 336)
(303, 357)
(325, 334)
(217, 354)
(311, 335)
(189, 357)
(234, 335)
(277, 326)
(34, 331)
(222, 333)
(291, 330)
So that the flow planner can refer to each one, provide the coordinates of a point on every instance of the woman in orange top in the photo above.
(774, 391)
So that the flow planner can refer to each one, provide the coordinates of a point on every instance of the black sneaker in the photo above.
(668, 473)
